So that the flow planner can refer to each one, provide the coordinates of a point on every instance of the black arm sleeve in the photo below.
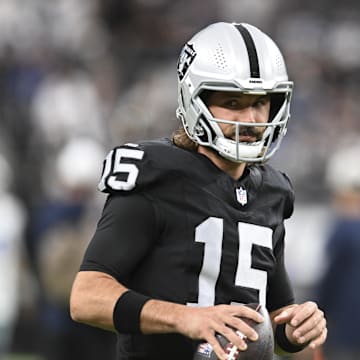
(125, 232)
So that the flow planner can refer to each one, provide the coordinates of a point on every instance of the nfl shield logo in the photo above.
(205, 349)
(241, 196)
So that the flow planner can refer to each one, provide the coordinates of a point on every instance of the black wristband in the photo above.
(284, 343)
(126, 315)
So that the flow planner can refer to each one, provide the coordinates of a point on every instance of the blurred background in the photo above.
(79, 77)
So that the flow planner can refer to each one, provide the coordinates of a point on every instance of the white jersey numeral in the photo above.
(113, 167)
(250, 235)
(210, 232)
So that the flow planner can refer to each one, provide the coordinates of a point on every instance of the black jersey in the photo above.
(175, 227)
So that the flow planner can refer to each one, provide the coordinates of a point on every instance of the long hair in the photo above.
(180, 138)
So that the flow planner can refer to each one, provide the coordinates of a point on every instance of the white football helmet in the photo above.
(233, 57)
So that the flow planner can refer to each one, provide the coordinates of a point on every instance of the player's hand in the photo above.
(204, 322)
(305, 323)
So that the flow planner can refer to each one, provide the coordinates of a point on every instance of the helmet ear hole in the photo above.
(208, 134)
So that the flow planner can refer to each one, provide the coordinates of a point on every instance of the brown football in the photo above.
(262, 349)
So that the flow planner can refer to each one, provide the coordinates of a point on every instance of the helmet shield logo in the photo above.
(187, 56)
(241, 196)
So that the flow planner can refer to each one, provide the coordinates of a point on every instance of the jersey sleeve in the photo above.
(137, 167)
(121, 169)
(125, 232)
(280, 290)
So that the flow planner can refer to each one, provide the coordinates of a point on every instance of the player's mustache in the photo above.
(245, 131)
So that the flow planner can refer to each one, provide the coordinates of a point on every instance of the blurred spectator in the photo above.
(324, 105)
(67, 105)
(12, 226)
(135, 115)
(60, 226)
(339, 293)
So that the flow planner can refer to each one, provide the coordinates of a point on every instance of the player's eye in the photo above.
(263, 101)
(232, 103)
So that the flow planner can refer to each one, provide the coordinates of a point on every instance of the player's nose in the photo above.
(246, 115)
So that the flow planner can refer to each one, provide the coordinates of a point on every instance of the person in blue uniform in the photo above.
(193, 226)
(342, 253)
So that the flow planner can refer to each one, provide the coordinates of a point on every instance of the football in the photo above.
(262, 349)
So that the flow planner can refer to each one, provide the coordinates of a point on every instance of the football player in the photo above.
(193, 226)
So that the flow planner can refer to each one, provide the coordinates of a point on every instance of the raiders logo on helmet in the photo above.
(186, 57)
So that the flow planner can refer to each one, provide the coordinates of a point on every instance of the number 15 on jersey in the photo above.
(210, 232)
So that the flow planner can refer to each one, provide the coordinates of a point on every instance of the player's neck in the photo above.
(233, 169)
